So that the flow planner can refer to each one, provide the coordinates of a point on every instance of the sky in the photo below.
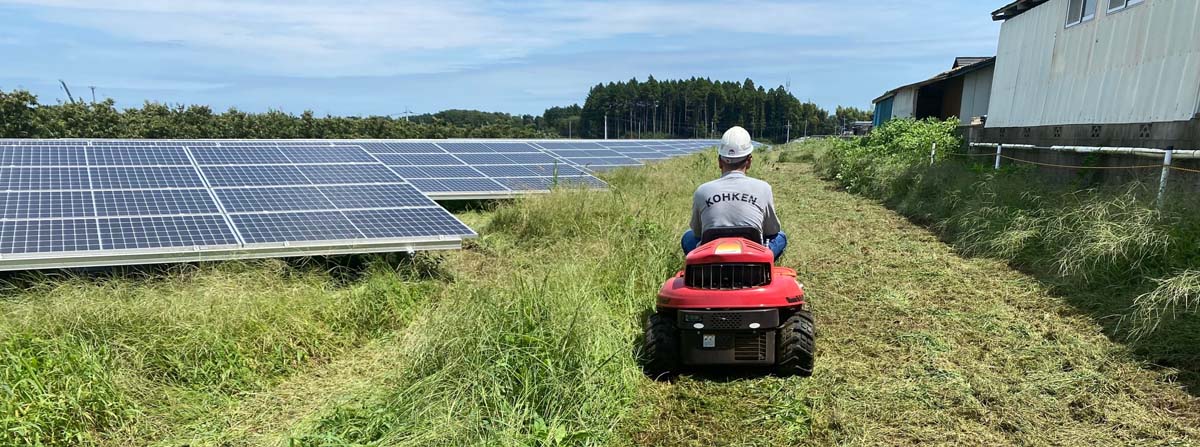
(386, 57)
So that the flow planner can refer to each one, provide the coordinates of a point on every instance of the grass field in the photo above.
(527, 337)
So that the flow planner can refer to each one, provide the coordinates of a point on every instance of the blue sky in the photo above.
(380, 57)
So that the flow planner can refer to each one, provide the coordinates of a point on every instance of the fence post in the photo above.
(998, 146)
(932, 152)
(1166, 174)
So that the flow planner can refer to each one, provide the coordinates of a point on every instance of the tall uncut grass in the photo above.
(540, 357)
(89, 359)
(1094, 236)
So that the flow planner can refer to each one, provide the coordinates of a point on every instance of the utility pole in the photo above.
(805, 128)
(93, 93)
(568, 129)
(606, 126)
(788, 138)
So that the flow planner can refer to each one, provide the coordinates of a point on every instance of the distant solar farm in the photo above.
(90, 203)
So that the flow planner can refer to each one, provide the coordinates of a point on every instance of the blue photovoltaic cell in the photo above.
(344, 174)
(375, 196)
(460, 148)
(38, 205)
(403, 223)
(22, 142)
(137, 155)
(27, 179)
(239, 155)
(450, 172)
(484, 159)
(507, 171)
(42, 156)
(539, 158)
(154, 202)
(294, 227)
(601, 153)
(457, 185)
(556, 145)
(423, 160)
(409, 172)
(398, 148)
(327, 154)
(270, 175)
(588, 145)
(248, 200)
(513, 147)
(126, 233)
(44, 236)
(145, 177)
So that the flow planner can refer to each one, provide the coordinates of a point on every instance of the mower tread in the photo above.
(797, 345)
(661, 350)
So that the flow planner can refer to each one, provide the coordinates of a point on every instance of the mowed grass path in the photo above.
(917, 345)
(528, 336)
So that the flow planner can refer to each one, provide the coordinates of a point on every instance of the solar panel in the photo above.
(250, 200)
(454, 169)
(48, 236)
(295, 227)
(137, 156)
(71, 203)
(262, 175)
(160, 202)
(144, 177)
(126, 233)
(37, 204)
(43, 156)
(43, 178)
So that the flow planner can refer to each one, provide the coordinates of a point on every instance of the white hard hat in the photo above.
(736, 144)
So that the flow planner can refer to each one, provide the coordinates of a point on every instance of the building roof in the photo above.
(965, 61)
(1016, 8)
(954, 72)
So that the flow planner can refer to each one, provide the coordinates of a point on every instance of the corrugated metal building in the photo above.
(963, 91)
(1097, 73)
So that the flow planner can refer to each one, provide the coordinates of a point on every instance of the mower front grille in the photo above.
(727, 276)
(750, 347)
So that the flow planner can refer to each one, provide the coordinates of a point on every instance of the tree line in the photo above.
(23, 116)
(699, 107)
(693, 108)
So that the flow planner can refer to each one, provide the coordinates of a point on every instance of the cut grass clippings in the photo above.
(534, 342)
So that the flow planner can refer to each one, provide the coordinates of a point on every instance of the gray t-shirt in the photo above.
(734, 200)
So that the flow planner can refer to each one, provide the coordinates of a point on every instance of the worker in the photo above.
(735, 199)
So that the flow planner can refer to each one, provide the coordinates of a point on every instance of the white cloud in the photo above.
(379, 37)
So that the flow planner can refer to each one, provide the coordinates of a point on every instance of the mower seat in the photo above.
(748, 233)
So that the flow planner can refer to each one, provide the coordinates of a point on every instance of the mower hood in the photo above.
(730, 250)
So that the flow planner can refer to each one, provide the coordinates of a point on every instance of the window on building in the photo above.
(1117, 5)
(1079, 11)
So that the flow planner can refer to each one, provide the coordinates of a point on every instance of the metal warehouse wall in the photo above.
(977, 91)
(1138, 65)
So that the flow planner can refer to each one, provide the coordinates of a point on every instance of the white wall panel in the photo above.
(1141, 64)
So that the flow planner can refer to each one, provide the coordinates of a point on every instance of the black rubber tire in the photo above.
(660, 353)
(796, 348)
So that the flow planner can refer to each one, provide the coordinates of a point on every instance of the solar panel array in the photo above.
(79, 203)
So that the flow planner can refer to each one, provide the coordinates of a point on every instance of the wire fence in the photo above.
(1166, 165)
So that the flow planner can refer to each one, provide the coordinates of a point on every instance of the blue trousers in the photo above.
(776, 243)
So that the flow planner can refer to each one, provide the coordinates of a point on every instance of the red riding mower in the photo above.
(731, 306)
